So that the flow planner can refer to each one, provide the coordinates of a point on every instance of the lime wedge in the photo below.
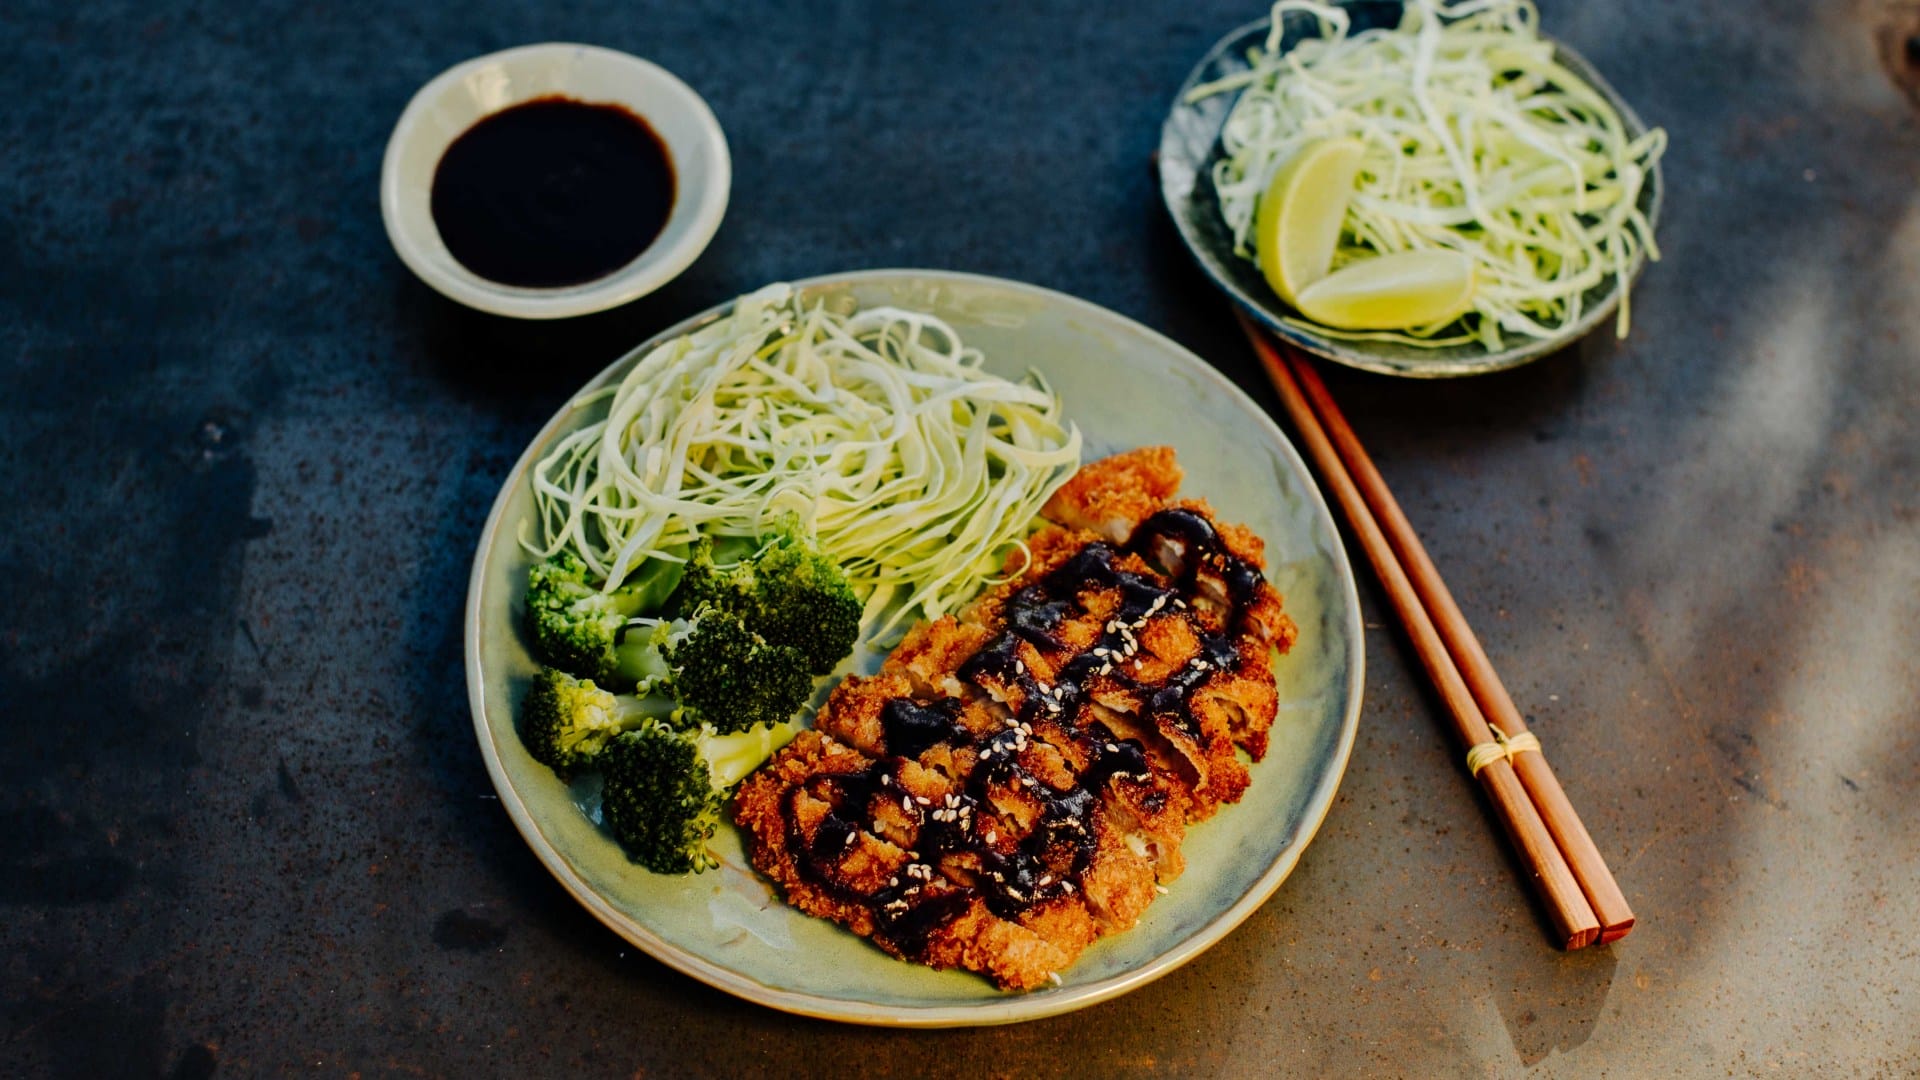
(1392, 292)
(1298, 220)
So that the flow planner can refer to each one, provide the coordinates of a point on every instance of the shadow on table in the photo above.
(533, 362)
(1555, 1001)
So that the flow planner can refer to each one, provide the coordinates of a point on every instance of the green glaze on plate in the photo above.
(1125, 386)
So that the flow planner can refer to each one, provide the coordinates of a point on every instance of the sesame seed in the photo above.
(1055, 976)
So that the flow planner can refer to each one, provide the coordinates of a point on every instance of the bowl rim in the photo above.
(412, 233)
(1359, 354)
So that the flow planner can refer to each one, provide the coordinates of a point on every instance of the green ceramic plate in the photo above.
(1126, 386)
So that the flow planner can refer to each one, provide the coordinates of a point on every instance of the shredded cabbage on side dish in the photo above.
(1478, 141)
(914, 467)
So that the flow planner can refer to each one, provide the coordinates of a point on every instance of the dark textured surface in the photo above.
(244, 828)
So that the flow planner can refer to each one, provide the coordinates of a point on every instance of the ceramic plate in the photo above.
(1190, 145)
(1125, 386)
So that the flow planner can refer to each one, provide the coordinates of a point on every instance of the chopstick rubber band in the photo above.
(1501, 748)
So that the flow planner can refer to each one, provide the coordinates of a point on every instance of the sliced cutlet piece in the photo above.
(1143, 808)
(1149, 813)
(1119, 881)
(1173, 661)
(1014, 956)
(1242, 698)
(931, 653)
(1131, 633)
(1022, 826)
(797, 834)
(808, 816)
(1225, 577)
(1114, 494)
(881, 716)
(853, 711)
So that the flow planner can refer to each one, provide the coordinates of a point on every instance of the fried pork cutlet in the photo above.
(1016, 782)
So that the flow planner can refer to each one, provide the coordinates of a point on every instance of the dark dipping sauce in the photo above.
(552, 192)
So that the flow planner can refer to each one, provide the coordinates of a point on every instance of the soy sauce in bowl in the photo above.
(552, 192)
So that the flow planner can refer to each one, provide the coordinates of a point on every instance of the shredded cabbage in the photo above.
(915, 468)
(1478, 141)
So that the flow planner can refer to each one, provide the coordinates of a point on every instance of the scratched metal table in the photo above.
(244, 827)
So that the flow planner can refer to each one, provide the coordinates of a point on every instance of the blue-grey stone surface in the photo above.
(244, 826)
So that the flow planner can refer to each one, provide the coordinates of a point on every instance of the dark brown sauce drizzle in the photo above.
(1050, 860)
(552, 192)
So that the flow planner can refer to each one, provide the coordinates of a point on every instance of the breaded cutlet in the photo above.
(1018, 780)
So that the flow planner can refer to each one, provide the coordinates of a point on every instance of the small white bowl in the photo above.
(446, 107)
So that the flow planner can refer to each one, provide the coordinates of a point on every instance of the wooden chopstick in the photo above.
(1575, 923)
(1556, 811)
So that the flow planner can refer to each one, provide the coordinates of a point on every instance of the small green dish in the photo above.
(1126, 386)
(1190, 145)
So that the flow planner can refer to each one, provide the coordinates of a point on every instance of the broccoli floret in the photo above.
(577, 627)
(566, 722)
(788, 591)
(719, 670)
(664, 789)
(715, 688)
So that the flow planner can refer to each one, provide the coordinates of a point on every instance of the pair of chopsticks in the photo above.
(1581, 897)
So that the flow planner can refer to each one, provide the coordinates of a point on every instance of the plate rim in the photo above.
(1013, 1008)
(1355, 354)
